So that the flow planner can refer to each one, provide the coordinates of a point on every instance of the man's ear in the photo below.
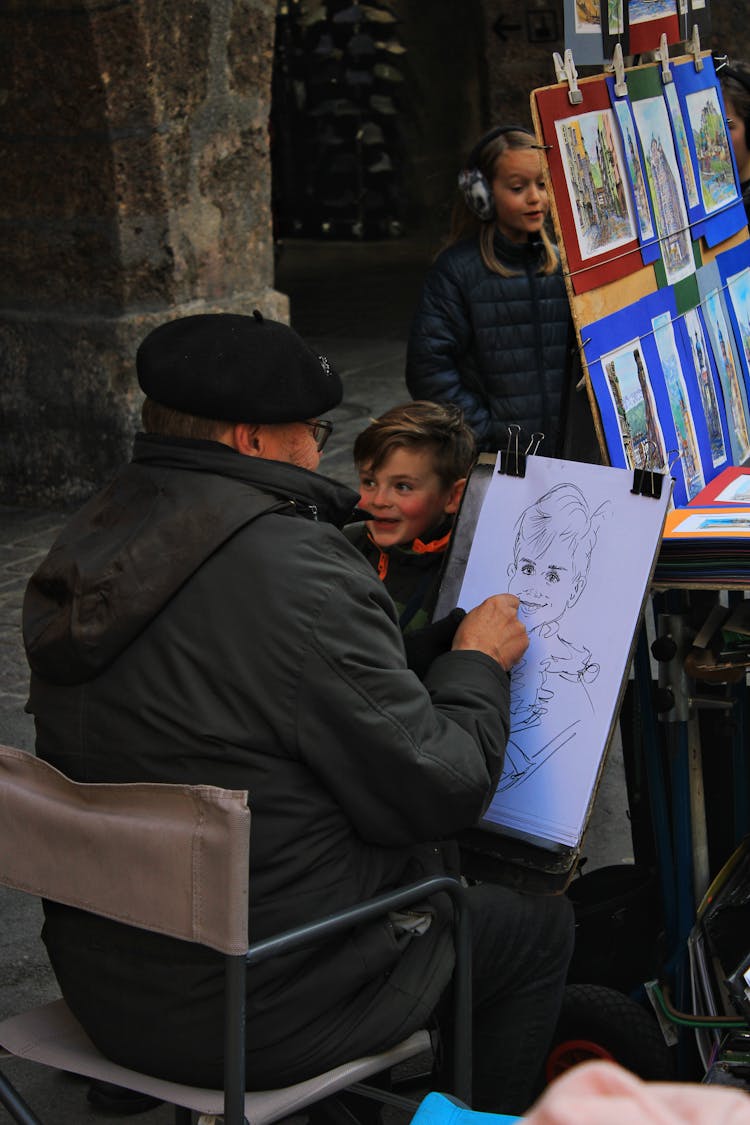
(454, 496)
(247, 439)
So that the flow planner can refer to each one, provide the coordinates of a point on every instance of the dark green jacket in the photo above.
(203, 620)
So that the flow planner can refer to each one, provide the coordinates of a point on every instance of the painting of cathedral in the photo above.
(596, 181)
(715, 170)
(630, 390)
(665, 185)
(635, 169)
(689, 461)
(682, 146)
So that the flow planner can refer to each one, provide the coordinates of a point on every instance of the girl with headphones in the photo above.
(492, 329)
(735, 86)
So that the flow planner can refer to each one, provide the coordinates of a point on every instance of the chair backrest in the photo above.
(168, 858)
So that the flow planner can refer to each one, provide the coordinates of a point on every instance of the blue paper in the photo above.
(727, 358)
(639, 193)
(720, 212)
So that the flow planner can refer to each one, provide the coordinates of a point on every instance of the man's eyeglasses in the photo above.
(321, 431)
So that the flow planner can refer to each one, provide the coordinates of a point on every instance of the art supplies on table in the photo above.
(705, 548)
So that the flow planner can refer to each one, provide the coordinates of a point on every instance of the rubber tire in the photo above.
(599, 1022)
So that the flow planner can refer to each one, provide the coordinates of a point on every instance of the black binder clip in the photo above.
(647, 482)
(512, 461)
(536, 440)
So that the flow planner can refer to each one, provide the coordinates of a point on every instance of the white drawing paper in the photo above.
(576, 546)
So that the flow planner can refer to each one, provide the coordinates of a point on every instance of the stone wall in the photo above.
(134, 186)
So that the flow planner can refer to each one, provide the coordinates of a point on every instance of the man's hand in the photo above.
(494, 628)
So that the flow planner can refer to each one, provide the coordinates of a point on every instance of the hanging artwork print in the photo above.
(583, 35)
(727, 362)
(630, 389)
(719, 212)
(734, 269)
(665, 185)
(682, 148)
(648, 20)
(593, 165)
(591, 186)
(636, 175)
(694, 340)
(689, 461)
(555, 538)
(613, 16)
(713, 149)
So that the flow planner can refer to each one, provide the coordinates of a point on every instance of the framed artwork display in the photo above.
(717, 212)
(648, 20)
(591, 186)
(631, 146)
(727, 360)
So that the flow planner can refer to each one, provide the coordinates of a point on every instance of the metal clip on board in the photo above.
(512, 461)
(647, 482)
(565, 70)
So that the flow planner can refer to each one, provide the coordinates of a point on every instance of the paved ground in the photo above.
(353, 302)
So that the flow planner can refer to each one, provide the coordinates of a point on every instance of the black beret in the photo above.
(236, 369)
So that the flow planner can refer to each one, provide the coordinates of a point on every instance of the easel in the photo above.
(667, 740)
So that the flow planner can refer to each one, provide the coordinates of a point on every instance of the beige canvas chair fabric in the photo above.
(52, 1036)
(168, 858)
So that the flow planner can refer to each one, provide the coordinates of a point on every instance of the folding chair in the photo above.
(174, 859)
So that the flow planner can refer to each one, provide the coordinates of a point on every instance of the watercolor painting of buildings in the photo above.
(593, 163)
(683, 149)
(635, 169)
(738, 291)
(732, 383)
(654, 130)
(711, 139)
(679, 401)
(706, 386)
(629, 386)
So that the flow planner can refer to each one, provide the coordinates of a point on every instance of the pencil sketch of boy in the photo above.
(554, 541)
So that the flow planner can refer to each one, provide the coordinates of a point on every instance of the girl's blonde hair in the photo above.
(465, 223)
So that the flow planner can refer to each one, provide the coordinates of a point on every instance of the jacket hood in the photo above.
(128, 550)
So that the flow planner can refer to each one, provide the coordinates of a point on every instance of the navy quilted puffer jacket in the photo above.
(495, 346)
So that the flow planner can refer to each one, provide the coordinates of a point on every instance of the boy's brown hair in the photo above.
(420, 425)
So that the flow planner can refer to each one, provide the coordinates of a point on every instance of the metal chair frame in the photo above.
(198, 835)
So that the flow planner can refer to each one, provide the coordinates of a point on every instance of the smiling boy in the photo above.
(412, 463)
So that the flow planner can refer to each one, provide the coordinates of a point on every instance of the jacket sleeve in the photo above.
(440, 335)
(407, 761)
